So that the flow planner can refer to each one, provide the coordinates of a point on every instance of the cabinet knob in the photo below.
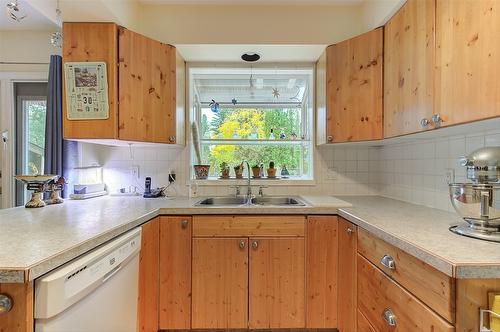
(242, 244)
(436, 119)
(171, 139)
(255, 244)
(424, 123)
(389, 317)
(184, 223)
(330, 138)
(5, 303)
(388, 262)
(349, 231)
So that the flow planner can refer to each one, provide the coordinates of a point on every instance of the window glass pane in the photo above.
(289, 155)
(35, 111)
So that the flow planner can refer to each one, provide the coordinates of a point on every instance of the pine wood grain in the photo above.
(467, 86)
(277, 283)
(376, 292)
(409, 68)
(220, 283)
(20, 318)
(89, 42)
(248, 225)
(347, 276)
(175, 272)
(472, 295)
(363, 325)
(147, 303)
(322, 263)
(434, 288)
(354, 88)
(147, 94)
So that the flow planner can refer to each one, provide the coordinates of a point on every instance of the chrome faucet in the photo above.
(248, 196)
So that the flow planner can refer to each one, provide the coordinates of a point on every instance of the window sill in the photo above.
(255, 182)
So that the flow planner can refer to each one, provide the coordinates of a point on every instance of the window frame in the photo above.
(307, 123)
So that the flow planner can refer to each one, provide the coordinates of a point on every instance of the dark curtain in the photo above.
(60, 155)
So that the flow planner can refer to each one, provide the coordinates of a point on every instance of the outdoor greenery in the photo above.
(36, 114)
(251, 123)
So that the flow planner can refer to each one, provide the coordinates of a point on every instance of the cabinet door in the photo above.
(363, 324)
(220, 283)
(147, 306)
(347, 275)
(277, 285)
(467, 85)
(321, 272)
(92, 42)
(147, 89)
(175, 272)
(354, 88)
(409, 68)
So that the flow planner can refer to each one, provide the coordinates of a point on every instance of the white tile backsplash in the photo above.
(413, 172)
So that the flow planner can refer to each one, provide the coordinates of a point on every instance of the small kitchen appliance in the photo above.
(38, 184)
(88, 182)
(478, 202)
(151, 193)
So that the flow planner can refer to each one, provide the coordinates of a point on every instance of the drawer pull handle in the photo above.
(349, 231)
(255, 244)
(242, 244)
(389, 317)
(388, 262)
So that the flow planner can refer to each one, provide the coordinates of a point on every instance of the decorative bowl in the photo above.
(478, 204)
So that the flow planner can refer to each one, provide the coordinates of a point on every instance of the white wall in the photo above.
(375, 13)
(239, 24)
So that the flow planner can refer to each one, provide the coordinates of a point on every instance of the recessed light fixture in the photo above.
(250, 57)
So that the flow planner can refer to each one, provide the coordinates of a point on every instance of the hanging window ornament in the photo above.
(276, 93)
(296, 96)
(15, 12)
(56, 37)
(251, 80)
(234, 101)
(214, 106)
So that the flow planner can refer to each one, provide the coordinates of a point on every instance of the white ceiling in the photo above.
(268, 53)
(33, 21)
(252, 2)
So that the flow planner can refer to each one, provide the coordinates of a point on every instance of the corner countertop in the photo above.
(35, 241)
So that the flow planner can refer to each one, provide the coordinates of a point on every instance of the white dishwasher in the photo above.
(94, 293)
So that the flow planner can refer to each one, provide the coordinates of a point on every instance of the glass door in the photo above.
(31, 111)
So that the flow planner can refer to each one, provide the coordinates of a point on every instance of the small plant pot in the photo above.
(256, 172)
(271, 172)
(224, 174)
(239, 174)
(201, 171)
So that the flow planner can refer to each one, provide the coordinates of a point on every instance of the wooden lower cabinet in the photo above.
(147, 315)
(220, 283)
(20, 318)
(347, 276)
(363, 325)
(175, 272)
(379, 297)
(276, 283)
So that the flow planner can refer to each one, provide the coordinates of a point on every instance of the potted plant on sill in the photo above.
(238, 171)
(271, 171)
(200, 170)
(256, 171)
(224, 170)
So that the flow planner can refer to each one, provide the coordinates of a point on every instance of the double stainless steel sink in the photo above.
(257, 201)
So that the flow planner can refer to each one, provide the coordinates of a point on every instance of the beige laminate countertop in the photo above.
(35, 241)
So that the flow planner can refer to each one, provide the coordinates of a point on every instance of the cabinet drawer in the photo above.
(230, 225)
(381, 300)
(434, 288)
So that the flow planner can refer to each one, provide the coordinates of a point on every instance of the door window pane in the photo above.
(35, 113)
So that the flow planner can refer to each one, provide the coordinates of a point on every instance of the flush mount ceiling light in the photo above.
(14, 11)
(250, 57)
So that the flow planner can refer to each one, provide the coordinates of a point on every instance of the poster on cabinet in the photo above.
(86, 90)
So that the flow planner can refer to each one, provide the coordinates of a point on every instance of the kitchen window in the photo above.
(259, 114)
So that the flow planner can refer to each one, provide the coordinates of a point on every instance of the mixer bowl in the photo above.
(478, 204)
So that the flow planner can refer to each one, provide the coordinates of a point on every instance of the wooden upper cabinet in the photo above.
(147, 89)
(146, 85)
(276, 283)
(467, 67)
(409, 69)
(89, 42)
(353, 100)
